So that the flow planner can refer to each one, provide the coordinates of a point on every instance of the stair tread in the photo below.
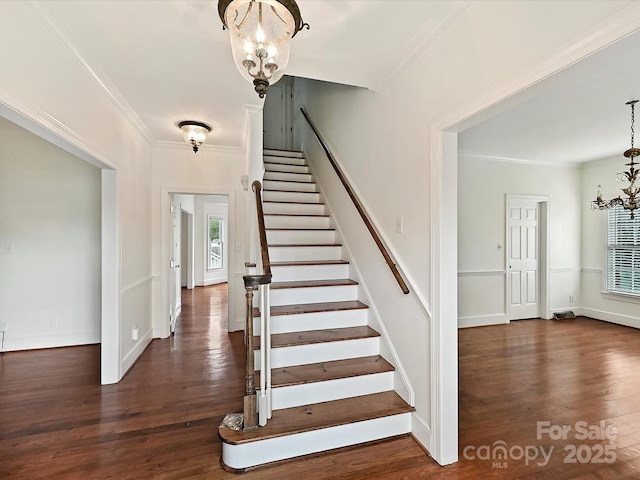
(318, 336)
(287, 191)
(283, 171)
(319, 372)
(292, 203)
(278, 245)
(313, 307)
(297, 263)
(336, 282)
(301, 228)
(321, 415)
(288, 181)
(296, 215)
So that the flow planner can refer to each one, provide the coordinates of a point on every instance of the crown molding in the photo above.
(46, 14)
(521, 161)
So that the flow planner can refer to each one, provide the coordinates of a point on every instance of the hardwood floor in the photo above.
(161, 420)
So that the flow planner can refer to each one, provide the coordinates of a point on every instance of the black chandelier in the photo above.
(629, 178)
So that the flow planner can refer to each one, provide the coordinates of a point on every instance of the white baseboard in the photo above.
(482, 320)
(421, 431)
(616, 318)
(49, 341)
(131, 357)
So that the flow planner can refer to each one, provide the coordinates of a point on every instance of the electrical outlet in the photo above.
(570, 298)
(53, 322)
(134, 334)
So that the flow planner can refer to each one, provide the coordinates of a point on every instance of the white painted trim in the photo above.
(111, 300)
(625, 320)
(130, 359)
(12, 344)
(49, 18)
(132, 288)
(482, 273)
(483, 320)
(421, 431)
(419, 43)
(521, 161)
(566, 270)
(592, 270)
(621, 297)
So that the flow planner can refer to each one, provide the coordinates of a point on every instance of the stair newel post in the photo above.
(250, 413)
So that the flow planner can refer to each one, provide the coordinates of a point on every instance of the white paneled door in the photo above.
(523, 259)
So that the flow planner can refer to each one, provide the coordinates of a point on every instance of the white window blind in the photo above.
(623, 241)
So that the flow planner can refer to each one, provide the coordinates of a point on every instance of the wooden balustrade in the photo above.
(251, 284)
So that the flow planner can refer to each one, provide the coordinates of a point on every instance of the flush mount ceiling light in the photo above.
(195, 133)
(628, 178)
(260, 34)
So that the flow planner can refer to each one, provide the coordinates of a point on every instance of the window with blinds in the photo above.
(623, 255)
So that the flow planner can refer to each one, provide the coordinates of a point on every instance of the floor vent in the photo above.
(564, 315)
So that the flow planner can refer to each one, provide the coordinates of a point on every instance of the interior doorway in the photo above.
(199, 238)
(527, 265)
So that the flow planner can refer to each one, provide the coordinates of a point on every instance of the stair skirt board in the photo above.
(305, 322)
(252, 454)
(329, 390)
(321, 352)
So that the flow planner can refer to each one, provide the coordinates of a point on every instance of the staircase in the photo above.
(331, 388)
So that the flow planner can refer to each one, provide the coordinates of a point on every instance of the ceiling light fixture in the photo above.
(260, 34)
(194, 133)
(629, 177)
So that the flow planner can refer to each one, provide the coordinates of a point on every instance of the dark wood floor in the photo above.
(161, 420)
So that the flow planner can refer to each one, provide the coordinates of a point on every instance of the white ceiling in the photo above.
(168, 61)
(164, 61)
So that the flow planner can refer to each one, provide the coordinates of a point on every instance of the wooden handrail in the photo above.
(356, 202)
(262, 232)
(251, 284)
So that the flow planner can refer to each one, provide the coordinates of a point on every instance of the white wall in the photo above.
(50, 237)
(47, 84)
(212, 171)
(595, 304)
(391, 146)
(482, 189)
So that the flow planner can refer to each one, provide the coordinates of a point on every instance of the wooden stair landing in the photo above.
(291, 421)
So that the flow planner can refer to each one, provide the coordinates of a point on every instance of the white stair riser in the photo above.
(303, 322)
(309, 272)
(289, 186)
(326, 391)
(281, 167)
(290, 296)
(295, 221)
(295, 237)
(258, 453)
(281, 254)
(321, 352)
(303, 197)
(294, 177)
(285, 160)
(294, 208)
(283, 153)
